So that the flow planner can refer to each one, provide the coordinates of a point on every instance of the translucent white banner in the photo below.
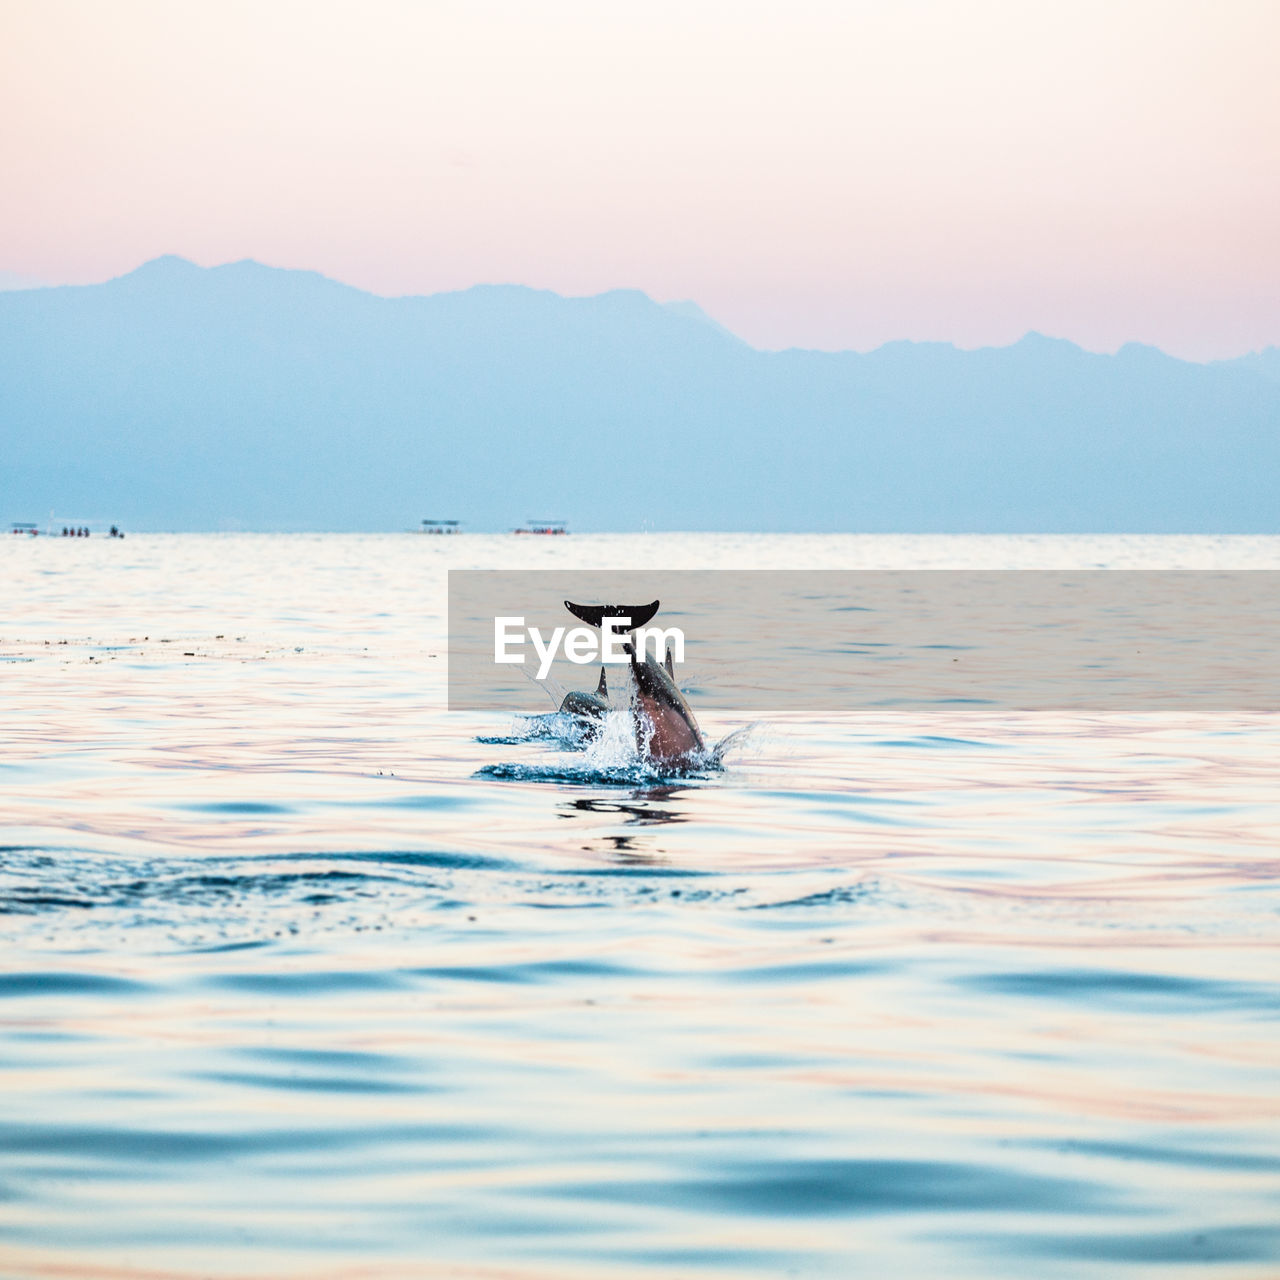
(1106, 640)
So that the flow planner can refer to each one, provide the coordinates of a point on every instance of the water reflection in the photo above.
(646, 807)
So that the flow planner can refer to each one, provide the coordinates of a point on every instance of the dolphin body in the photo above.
(588, 706)
(666, 731)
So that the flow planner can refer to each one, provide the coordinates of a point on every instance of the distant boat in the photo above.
(546, 528)
(61, 529)
(441, 526)
(81, 528)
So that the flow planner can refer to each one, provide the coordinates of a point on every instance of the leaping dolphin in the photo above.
(666, 732)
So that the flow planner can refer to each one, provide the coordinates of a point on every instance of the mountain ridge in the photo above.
(244, 395)
(685, 307)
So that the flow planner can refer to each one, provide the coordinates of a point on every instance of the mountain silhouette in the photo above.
(244, 396)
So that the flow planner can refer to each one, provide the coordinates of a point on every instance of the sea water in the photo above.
(305, 975)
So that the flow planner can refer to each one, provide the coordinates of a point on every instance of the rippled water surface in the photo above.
(305, 975)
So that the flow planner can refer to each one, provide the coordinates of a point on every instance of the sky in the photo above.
(820, 173)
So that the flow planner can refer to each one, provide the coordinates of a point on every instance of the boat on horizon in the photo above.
(544, 528)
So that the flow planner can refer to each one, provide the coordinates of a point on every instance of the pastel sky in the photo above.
(828, 173)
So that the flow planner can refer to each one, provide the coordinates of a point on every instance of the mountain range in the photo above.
(249, 397)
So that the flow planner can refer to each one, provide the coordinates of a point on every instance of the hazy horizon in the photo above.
(252, 397)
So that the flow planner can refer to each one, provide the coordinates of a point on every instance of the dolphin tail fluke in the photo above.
(594, 615)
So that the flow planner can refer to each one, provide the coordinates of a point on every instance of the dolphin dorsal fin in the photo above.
(594, 615)
(602, 689)
(670, 663)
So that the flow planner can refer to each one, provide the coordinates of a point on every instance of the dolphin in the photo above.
(666, 731)
(591, 707)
